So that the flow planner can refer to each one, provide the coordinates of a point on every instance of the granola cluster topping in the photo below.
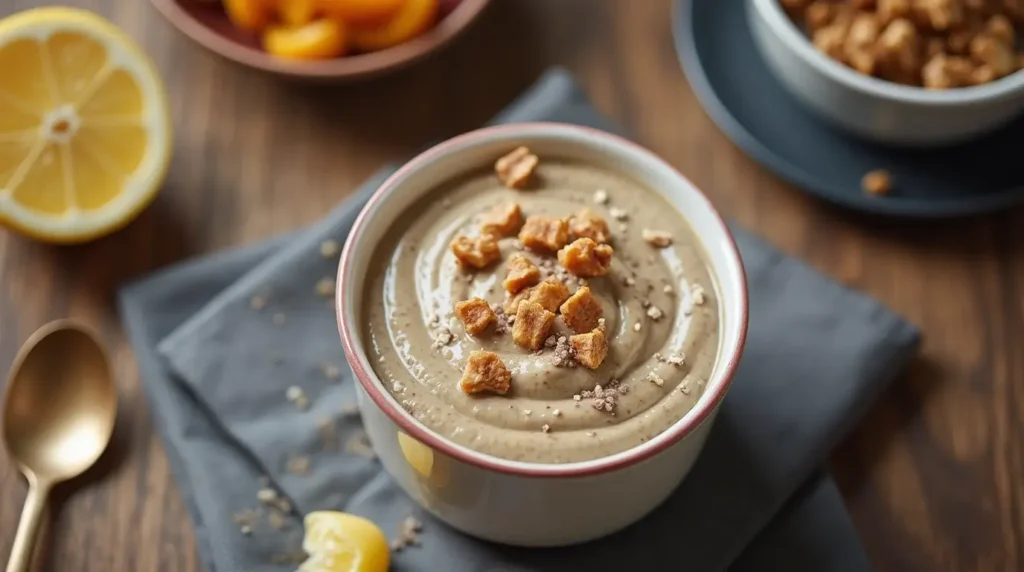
(546, 278)
(935, 44)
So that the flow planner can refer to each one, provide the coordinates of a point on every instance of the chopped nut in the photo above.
(586, 258)
(329, 248)
(502, 220)
(997, 55)
(618, 214)
(532, 326)
(655, 313)
(521, 273)
(698, 294)
(515, 169)
(601, 196)
(637, 326)
(479, 253)
(266, 496)
(668, 289)
(588, 224)
(550, 294)
(655, 379)
(544, 234)
(408, 533)
(590, 348)
(485, 372)
(1000, 28)
(476, 314)
(877, 182)
(656, 238)
(582, 311)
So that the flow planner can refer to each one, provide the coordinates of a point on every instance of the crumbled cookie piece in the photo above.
(442, 337)
(588, 224)
(656, 238)
(550, 294)
(582, 312)
(590, 349)
(501, 324)
(655, 379)
(564, 355)
(521, 273)
(485, 372)
(476, 314)
(586, 258)
(877, 182)
(515, 169)
(503, 219)
(532, 326)
(476, 253)
(544, 234)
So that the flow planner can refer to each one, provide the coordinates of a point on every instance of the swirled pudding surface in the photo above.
(659, 306)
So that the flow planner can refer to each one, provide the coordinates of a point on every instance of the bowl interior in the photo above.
(206, 23)
(795, 39)
(482, 147)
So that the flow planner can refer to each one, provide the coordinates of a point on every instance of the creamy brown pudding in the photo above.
(543, 363)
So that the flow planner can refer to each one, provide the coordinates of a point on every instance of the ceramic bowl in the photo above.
(205, 22)
(523, 503)
(873, 108)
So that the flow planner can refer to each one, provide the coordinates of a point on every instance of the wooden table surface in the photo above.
(934, 475)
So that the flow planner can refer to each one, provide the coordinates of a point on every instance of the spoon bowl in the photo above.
(58, 416)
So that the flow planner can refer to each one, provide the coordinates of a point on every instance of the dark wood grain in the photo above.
(934, 476)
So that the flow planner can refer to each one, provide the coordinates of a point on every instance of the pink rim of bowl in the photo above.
(343, 68)
(707, 403)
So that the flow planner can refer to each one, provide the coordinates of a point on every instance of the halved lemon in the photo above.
(85, 134)
(342, 542)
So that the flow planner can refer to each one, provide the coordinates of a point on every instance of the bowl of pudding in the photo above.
(543, 320)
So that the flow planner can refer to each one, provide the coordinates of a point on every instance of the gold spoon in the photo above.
(58, 415)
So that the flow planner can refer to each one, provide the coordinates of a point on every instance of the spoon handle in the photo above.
(28, 527)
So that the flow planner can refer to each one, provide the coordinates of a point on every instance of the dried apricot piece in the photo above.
(412, 19)
(485, 372)
(360, 12)
(581, 312)
(586, 258)
(590, 348)
(476, 253)
(532, 326)
(521, 273)
(550, 293)
(251, 15)
(295, 13)
(503, 219)
(515, 169)
(316, 40)
(544, 234)
(476, 314)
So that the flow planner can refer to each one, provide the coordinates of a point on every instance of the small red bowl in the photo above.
(205, 22)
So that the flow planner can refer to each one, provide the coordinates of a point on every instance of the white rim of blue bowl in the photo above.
(788, 31)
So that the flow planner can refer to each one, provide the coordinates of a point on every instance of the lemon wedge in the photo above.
(342, 542)
(85, 135)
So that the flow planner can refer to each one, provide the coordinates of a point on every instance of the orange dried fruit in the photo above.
(412, 19)
(361, 12)
(324, 38)
(295, 13)
(251, 15)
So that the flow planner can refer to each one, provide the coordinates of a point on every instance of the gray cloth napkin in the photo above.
(220, 339)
